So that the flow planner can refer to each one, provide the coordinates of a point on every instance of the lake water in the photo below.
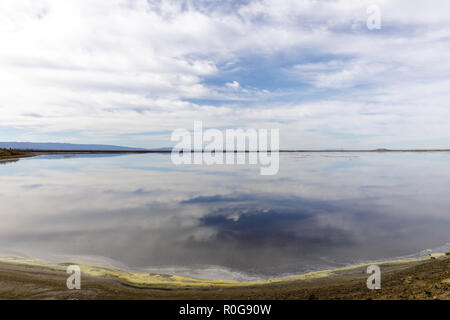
(322, 210)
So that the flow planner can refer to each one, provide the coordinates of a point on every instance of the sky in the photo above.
(130, 72)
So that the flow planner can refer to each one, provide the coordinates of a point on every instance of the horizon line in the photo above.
(231, 151)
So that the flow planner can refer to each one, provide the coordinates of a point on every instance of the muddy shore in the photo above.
(427, 278)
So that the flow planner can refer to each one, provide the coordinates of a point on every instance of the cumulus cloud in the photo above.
(234, 85)
(130, 71)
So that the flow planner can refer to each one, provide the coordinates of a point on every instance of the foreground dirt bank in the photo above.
(419, 279)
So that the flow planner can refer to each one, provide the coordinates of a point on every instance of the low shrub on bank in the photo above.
(10, 152)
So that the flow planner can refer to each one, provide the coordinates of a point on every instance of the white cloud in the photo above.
(102, 69)
(233, 85)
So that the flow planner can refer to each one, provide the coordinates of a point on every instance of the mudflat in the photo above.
(427, 278)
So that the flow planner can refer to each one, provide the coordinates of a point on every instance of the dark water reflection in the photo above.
(320, 211)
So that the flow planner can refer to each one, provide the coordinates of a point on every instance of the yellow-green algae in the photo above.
(147, 279)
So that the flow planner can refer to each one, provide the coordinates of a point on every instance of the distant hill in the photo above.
(162, 149)
(63, 146)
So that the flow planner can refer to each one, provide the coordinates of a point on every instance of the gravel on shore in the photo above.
(427, 278)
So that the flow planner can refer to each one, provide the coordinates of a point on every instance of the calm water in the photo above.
(143, 212)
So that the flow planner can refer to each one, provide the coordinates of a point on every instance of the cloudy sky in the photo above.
(129, 72)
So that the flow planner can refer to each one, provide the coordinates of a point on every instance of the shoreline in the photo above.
(37, 152)
(417, 278)
(34, 153)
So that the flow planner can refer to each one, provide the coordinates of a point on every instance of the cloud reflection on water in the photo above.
(143, 211)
